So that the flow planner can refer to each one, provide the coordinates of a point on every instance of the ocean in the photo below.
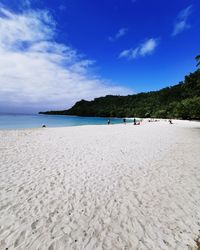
(16, 121)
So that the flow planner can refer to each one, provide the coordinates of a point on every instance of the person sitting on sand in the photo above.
(44, 126)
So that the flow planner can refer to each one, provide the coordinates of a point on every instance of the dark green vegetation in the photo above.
(198, 243)
(179, 101)
(197, 58)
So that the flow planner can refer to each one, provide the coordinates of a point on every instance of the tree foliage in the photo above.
(198, 60)
(179, 101)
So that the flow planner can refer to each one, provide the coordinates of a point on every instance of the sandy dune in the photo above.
(100, 187)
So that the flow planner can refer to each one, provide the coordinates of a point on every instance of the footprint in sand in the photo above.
(20, 239)
(34, 225)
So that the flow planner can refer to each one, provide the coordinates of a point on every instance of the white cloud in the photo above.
(181, 23)
(142, 50)
(122, 32)
(38, 73)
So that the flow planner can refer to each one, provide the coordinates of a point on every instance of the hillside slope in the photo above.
(179, 101)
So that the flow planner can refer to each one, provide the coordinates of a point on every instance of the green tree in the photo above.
(197, 58)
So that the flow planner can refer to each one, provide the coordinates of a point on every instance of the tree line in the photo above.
(179, 101)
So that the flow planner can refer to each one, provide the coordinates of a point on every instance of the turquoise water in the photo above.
(36, 121)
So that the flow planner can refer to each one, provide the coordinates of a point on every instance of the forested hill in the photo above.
(179, 101)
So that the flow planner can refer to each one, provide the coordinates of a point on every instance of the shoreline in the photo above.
(100, 187)
(144, 120)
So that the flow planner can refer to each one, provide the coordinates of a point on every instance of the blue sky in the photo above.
(54, 53)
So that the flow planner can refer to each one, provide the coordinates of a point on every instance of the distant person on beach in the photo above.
(44, 126)
(134, 121)
(170, 121)
(108, 121)
(124, 120)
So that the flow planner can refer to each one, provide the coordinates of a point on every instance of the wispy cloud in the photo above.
(181, 23)
(62, 7)
(121, 32)
(142, 50)
(39, 73)
(25, 3)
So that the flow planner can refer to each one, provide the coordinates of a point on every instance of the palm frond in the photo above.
(197, 58)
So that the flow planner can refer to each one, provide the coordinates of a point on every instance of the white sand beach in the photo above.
(100, 187)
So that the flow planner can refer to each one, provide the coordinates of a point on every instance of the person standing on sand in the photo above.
(108, 121)
(134, 121)
(170, 121)
(124, 120)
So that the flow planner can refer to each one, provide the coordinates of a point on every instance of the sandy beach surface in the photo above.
(100, 187)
